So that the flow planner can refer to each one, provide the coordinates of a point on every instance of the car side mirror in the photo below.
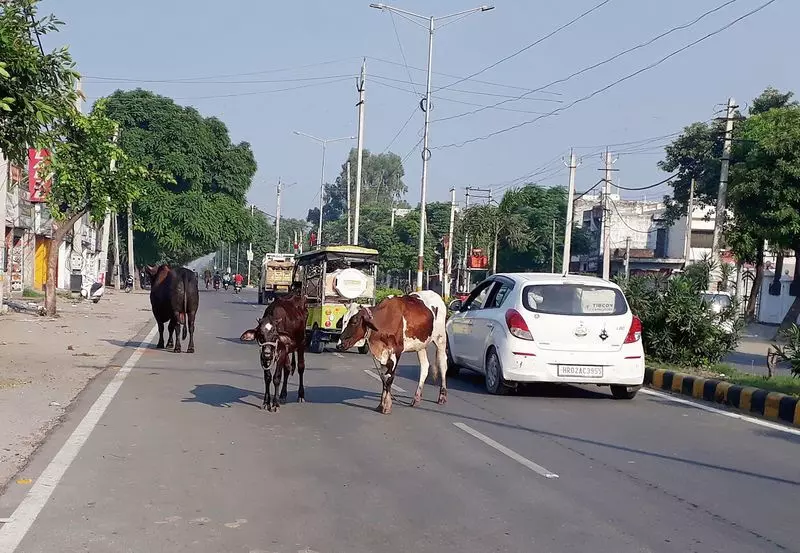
(456, 305)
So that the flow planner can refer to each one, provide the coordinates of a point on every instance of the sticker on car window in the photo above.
(598, 301)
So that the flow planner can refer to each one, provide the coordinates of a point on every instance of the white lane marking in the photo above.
(538, 469)
(395, 387)
(339, 355)
(12, 533)
(745, 418)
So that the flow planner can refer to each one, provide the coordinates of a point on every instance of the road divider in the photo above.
(761, 403)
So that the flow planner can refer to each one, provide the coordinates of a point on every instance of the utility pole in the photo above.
(278, 219)
(567, 256)
(362, 82)
(4, 171)
(250, 251)
(627, 257)
(102, 262)
(349, 212)
(606, 234)
(687, 246)
(466, 244)
(131, 266)
(722, 195)
(117, 266)
(448, 264)
(426, 106)
(553, 249)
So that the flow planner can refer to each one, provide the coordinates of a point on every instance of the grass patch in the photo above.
(32, 294)
(784, 384)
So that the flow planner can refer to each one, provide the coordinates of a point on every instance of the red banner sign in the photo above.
(36, 186)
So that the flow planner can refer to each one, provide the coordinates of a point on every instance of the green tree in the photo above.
(381, 183)
(203, 202)
(765, 183)
(84, 181)
(696, 155)
(37, 89)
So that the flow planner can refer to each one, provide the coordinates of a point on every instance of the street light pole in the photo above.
(324, 142)
(426, 105)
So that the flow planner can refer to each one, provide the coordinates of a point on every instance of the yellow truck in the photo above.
(276, 276)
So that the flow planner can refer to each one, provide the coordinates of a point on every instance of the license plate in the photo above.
(582, 371)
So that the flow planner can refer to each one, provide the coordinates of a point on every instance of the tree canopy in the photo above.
(37, 89)
(203, 200)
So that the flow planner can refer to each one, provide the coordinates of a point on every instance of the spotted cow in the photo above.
(397, 325)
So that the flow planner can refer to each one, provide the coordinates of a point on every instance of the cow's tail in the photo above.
(183, 311)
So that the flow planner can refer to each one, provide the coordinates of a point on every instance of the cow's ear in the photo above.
(248, 335)
(151, 270)
(366, 317)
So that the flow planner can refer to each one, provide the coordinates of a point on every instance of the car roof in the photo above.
(557, 278)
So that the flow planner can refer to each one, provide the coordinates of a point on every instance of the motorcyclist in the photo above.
(238, 280)
(217, 278)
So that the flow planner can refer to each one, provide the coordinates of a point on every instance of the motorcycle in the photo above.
(237, 287)
(216, 284)
(128, 284)
(226, 282)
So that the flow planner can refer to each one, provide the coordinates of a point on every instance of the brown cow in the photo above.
(399, 324)
(281, 332)
(174, 298)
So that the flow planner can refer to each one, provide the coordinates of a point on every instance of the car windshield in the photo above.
(717, 302)
(574, 299)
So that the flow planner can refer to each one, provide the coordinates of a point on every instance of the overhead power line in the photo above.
(258, 81)
(475, 92)
(621, 218)
(245, 74)
(529, 46)
(649, 186)
(602, 62)
(450, 75)
(612, 84)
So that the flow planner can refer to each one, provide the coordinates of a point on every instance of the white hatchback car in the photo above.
(535, 327)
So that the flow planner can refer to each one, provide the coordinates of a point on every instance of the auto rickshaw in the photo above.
(332, 278)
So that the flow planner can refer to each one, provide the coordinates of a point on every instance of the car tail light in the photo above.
(517, 325)
(635, 332)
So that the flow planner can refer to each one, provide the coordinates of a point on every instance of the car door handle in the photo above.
(490, 325)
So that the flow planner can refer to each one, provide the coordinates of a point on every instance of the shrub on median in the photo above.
(678, 326)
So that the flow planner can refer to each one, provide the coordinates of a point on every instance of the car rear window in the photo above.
(574, 299)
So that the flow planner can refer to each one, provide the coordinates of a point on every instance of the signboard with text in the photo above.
(37, 187)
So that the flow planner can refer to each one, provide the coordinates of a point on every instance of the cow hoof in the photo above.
(275, 408)
(176, 350)
(160, 345)
(383, 410)
(301, 400)
(190, 350)
(416, 401)
(265, 407)
(442, 397)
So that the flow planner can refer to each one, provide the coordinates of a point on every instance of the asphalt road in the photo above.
(184, 460)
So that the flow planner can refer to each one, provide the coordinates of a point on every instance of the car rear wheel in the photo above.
(260, 297)
(495, 384)
(452, 367)
(624, 392)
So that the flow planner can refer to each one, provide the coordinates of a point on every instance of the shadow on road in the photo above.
(221, 395)
(235, 340)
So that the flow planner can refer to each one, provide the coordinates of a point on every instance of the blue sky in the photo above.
(315, 48)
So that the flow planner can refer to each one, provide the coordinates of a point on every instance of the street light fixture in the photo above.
(324, 142)
(425, 105)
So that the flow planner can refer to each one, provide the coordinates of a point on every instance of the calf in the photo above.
(396, 325)
(281, 332)
(174, 298)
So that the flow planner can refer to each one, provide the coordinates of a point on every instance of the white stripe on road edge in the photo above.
(12, 533)
(395, 387)
(538, 469)
(753, 420)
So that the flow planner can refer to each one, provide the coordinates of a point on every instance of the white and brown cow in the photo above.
(397, 325)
